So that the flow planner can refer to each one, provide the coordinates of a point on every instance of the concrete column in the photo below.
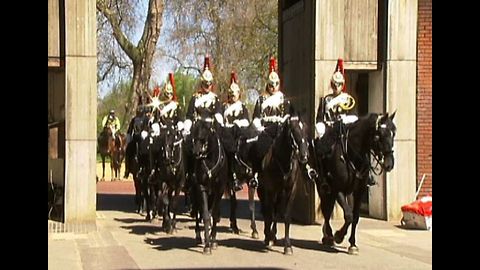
(81, 111)
(401, 96)
(376, 96)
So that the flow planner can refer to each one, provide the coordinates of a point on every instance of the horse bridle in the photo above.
(176, 163)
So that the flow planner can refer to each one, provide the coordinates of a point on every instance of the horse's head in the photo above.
(172, 141)
(383, 139)
(202, 132)
(299, 139)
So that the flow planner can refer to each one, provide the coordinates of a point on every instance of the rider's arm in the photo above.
(256, 117)
(218, 111)
(104, 121)
(117, 123)
(320, 125)
(189, 114)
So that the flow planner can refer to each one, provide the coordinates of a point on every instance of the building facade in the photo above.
(378, 41)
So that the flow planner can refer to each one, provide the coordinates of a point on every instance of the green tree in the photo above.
(116, 100)
(120, 16)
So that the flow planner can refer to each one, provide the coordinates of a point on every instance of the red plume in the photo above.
(339, 68)
(207, 63)
(156, 91)
(273, 64)
(233, 77)
(172, 82)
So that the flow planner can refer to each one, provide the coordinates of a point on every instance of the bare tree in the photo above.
(240, 35)
(119, 15)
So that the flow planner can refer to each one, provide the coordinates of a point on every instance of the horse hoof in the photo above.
(353, 250)
(338, 238)
(269, 243)
(207, 251)
(255, 235)
(287, 251)
(214, 245)
(327, 241)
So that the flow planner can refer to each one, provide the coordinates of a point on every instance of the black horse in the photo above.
(243, 169)
(347, 168)
(210, 170)
(171, 174)
(279, 178)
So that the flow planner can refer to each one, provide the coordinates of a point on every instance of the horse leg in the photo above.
(290, 196)
(216, 219)
(233, 211)
(207, 250)
(251, 204)
(146, 196)
(103, 167)
(112, 168)
(347, 216)
(353, 249)
(326, 204)
(267, 210)
(138, 193)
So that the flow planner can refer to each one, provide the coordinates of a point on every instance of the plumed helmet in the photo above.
(169, 90)
(234, 89)
(207, 75)
(156, 91)
(338, 77)
(273, 78)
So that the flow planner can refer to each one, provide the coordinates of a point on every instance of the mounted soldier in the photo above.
(335, 114)
(204, 103)
(272, 109)
(235, 114)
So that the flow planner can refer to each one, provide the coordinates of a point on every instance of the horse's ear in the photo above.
(393, 115)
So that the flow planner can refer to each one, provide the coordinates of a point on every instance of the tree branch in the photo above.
(122, 40)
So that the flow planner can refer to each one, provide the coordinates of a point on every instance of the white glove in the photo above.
(258, 124)
(347, 119)
(180, 125)
(144, 134)
(219, 119)
(187, 126)
(320, 128)
(241, 122)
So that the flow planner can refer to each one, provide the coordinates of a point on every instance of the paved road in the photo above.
(124, 240)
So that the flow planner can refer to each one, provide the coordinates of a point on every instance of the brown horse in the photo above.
(114, 149)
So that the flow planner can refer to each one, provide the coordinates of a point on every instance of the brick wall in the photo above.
(424, 96)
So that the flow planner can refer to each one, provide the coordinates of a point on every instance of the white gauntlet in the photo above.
(320, 128)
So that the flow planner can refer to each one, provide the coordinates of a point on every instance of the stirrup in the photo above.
(254, 181)
(236, 186)
(370, 181)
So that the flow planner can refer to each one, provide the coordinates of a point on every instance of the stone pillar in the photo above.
(401, 96)
(376, 96)
(81, 111)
